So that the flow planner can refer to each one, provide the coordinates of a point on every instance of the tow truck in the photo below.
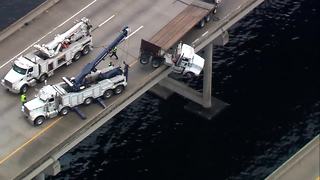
(89, 85)
(40, 63)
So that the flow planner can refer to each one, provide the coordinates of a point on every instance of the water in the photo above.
(12, 10)
(269, 74)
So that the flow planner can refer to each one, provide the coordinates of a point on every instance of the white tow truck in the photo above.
(89, 85)
(60, 99)
(183, 59)
(40, 63)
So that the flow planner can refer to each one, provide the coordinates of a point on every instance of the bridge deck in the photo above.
(25, 149)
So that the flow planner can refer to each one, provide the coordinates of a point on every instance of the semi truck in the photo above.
(40, 63)
(89, 85)
(159, 49)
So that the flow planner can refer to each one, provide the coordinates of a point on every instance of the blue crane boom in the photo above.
(91, 67)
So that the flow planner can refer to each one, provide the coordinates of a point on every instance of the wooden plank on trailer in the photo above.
(179, 26)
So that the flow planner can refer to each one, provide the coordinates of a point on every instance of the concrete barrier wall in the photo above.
(27, 18)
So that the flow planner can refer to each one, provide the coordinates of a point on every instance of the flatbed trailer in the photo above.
(191, 16)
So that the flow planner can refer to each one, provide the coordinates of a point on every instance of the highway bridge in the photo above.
(26, 151)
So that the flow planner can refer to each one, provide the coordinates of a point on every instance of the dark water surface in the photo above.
(268, 72)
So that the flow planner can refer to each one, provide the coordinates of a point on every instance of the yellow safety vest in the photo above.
(23, 98)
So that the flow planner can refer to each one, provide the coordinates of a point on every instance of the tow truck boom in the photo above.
(91, 67)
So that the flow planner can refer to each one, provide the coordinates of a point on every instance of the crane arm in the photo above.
(91, 67)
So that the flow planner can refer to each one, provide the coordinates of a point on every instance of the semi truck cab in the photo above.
(186, 61)
(21, 76)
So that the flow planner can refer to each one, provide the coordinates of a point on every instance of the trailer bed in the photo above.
(181, 24)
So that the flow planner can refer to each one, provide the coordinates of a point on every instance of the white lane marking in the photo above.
(204, 33)
(195, 41)
(134, 32)
(48, 33)
(106, 21)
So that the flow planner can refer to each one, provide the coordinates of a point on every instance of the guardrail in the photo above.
(296, 158)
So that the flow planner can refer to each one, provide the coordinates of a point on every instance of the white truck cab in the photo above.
(186, 61)
(183, 59)
(21, 75)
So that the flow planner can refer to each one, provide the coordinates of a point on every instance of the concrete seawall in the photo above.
(25, 20)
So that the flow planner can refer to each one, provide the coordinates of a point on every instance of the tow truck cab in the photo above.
(45, 105)
(22, 75)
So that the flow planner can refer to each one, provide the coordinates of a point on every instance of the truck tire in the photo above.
(43, 77)
(145, 58)
(107, 94)
(208, 17)
(64, 111)
(85, 50)
(214, 10)
(88, 101)
(202, 23)
(156, 63)
(77, 56)
(118, 89)
(190, 75)
(24, 88)
(38, 121)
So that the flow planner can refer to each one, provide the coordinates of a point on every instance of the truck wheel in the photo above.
(43, 77)
(38, 121)
(190, 74)
(156, 63)
(88, 101)
(77, 56)
(118, 89)
(107, 94)
(214, 11)
(201, 23)
(64, 111)
(208, 17)
(85, 50)
(24, 89)
(145, 58)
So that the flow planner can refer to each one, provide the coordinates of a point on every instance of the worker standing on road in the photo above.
(114, 52)
(23, 99)
(126, 69)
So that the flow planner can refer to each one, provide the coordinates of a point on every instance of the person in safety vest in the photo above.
(23, 98)
(114, 52)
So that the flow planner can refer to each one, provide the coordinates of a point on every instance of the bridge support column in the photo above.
(207, 77)
(209, 106)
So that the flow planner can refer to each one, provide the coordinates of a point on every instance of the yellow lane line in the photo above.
(29, 141)
(318, 178)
